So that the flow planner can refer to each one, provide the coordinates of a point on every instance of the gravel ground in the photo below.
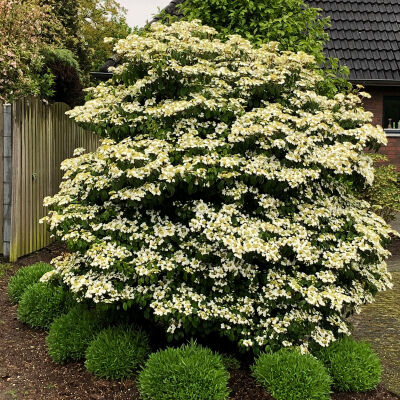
(379, 324)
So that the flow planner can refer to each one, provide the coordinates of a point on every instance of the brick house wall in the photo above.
(375, 105)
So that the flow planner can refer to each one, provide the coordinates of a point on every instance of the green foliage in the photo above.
(25, 28)
(292, 23)
(230, 362)
(65, 69)
(24, 278)
(41, 303)
(353, 365)
(65, 56)
(4, 268)
(28, 28)
(87, 23)
(190, 372)
(71, 333)
(117, 352)
(290, 375)
(67, 13)
(384, 194)
(104, 18)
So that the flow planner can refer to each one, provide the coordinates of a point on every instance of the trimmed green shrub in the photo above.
(24, 278)
(353, 365)
(117, 352)
(71, 333)
(290, 375)
(190, 372)
(384, 194)
(41, 303)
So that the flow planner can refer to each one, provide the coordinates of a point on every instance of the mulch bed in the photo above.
(26, 371)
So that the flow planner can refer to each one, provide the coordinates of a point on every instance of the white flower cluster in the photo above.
(221, 195)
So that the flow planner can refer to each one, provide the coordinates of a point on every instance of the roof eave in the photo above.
(103, 76)
(375, 82)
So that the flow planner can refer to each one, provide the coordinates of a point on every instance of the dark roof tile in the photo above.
(365, 36)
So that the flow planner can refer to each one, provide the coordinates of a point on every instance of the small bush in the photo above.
(353, 365)
(190, 372)
(384, 193)
(24, 278)
(71, 333)
(230, 363)
(117, 352)
(290, 375)
(41, 303)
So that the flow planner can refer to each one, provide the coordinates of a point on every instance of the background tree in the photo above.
(48, 47)
(87, 23)
(25, 28)
(100, 19)
(64, 67)
(384, 194)
(67, 13)
(292, 23)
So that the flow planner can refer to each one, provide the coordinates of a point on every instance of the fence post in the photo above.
(16, 179)
(7, 178)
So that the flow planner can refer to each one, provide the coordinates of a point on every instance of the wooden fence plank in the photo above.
(16, 182)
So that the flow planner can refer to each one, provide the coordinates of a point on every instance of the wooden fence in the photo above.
(35, 139)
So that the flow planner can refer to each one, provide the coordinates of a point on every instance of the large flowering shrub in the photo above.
(220, 199)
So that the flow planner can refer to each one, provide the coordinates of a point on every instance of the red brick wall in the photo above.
(375, 105)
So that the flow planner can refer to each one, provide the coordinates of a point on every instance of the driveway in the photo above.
(379, 324)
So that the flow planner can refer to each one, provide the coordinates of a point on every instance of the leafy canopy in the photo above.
(87, 23)
(292, 23)
(25, 28)
(47, 47)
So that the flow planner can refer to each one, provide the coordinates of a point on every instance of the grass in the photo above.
(4, 268)
(13, 393)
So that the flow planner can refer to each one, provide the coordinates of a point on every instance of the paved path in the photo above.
(379, 324)
(396, 223)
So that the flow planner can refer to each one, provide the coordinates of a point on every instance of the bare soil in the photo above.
(27, 372)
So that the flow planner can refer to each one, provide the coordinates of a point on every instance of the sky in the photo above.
(139, 11)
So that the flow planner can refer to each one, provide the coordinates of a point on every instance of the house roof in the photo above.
(172, 8)
(364, 35)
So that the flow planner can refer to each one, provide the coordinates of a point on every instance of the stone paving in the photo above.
(379, 324)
